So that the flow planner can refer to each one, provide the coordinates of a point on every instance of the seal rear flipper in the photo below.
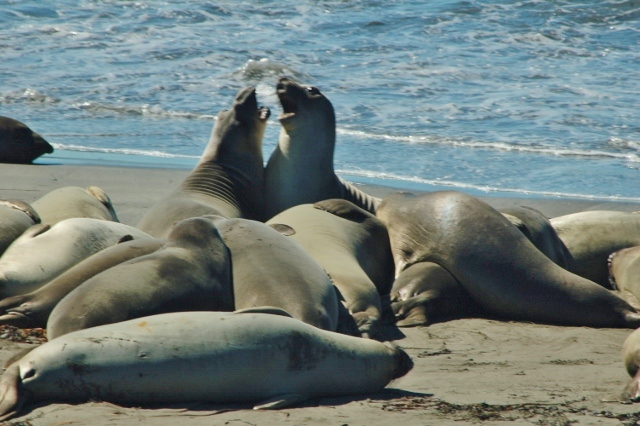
(11, 399)
(16, 319)
(264, 310)
(281, 401)
(99, 194)
(631, 392)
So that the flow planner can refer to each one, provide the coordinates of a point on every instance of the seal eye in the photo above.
(313, 90)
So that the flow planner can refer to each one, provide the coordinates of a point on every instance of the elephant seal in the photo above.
(270, 360)
(591, 236)
(32, 309)
(270, 269)
(15, 218)
(352, 246)
(71, 201)
(425, 292)
(228, 179)
(43, 252)
(631, 361)
(538, 229)
(190, 272)
(495, 263)
(624, 270)
(300, 170)
(19, 144)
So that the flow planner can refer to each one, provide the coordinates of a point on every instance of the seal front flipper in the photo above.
(631, 392)
(281, 401)
(11, 399)
(99, 194)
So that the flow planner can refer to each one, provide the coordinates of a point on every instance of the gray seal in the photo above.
(591, 236)
(269, 361)
(352, 246)
(228, 179)
(300, 169)
(72, 201)
(190, 272)
(32, 309)
(270, 269)
(19, 144)
(495, 263)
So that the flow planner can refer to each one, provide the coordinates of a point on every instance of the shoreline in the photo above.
(466, 371)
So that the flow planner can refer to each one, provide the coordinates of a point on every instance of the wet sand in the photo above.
(466, 371)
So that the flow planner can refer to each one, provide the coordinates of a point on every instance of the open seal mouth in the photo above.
(288, 104)
(264, 113)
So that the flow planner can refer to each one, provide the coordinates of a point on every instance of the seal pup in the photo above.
(43, 252)
(32, 309)
(72, 201)
(352, 246)
(270, 360)
(228, 179)
(269, 269)
(591, 236)
(190, 272)
(300, 170)
(538, 229)
(19, 144)
(495, 263)
(425, 292)
(15, 218)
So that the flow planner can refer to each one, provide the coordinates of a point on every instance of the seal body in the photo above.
(495, 263)
(352, 245)
(426, 292)
(33, 309)
(631, 361)
(624, 270)
(228, 179)
(43, 252)
(190, 272)
(591, 236)
(233, 357)
(270, 269)
(15, 218)
(538, 229)
(19, 144)
(300, 170)
(68, 202)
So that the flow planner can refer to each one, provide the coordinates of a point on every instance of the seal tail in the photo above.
(403, 361)
(11, 399)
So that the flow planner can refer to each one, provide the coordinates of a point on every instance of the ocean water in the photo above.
(517, 98)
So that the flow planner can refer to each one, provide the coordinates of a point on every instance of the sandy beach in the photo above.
(467, 371)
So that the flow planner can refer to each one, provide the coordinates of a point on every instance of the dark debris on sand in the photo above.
(23, 335)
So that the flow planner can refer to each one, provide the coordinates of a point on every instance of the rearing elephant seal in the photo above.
(19, 144)
(591, 236)
(352, 245)
(300, 170)
(228, 180)
(270, 360)
(72, 201)
(190, 272)
(494, 262)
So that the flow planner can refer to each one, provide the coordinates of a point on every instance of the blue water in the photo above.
(511, 98)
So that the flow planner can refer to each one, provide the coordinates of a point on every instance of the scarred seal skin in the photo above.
(495, 263)
(229, 178)
(300, 169)
(249, 357)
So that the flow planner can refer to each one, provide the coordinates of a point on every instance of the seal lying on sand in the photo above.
(300, 170)
(591, 236)
(270, 360)
(270, 269)
(15, 218)
(32, 309)
(71, 201)
(43, 252)
(352, 245)
(19, 144)
(631, 361)
(494, 262)
(228, 179)
(190, 272)
(624, 270)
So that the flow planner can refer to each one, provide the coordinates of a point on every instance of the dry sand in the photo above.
(466, 371)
